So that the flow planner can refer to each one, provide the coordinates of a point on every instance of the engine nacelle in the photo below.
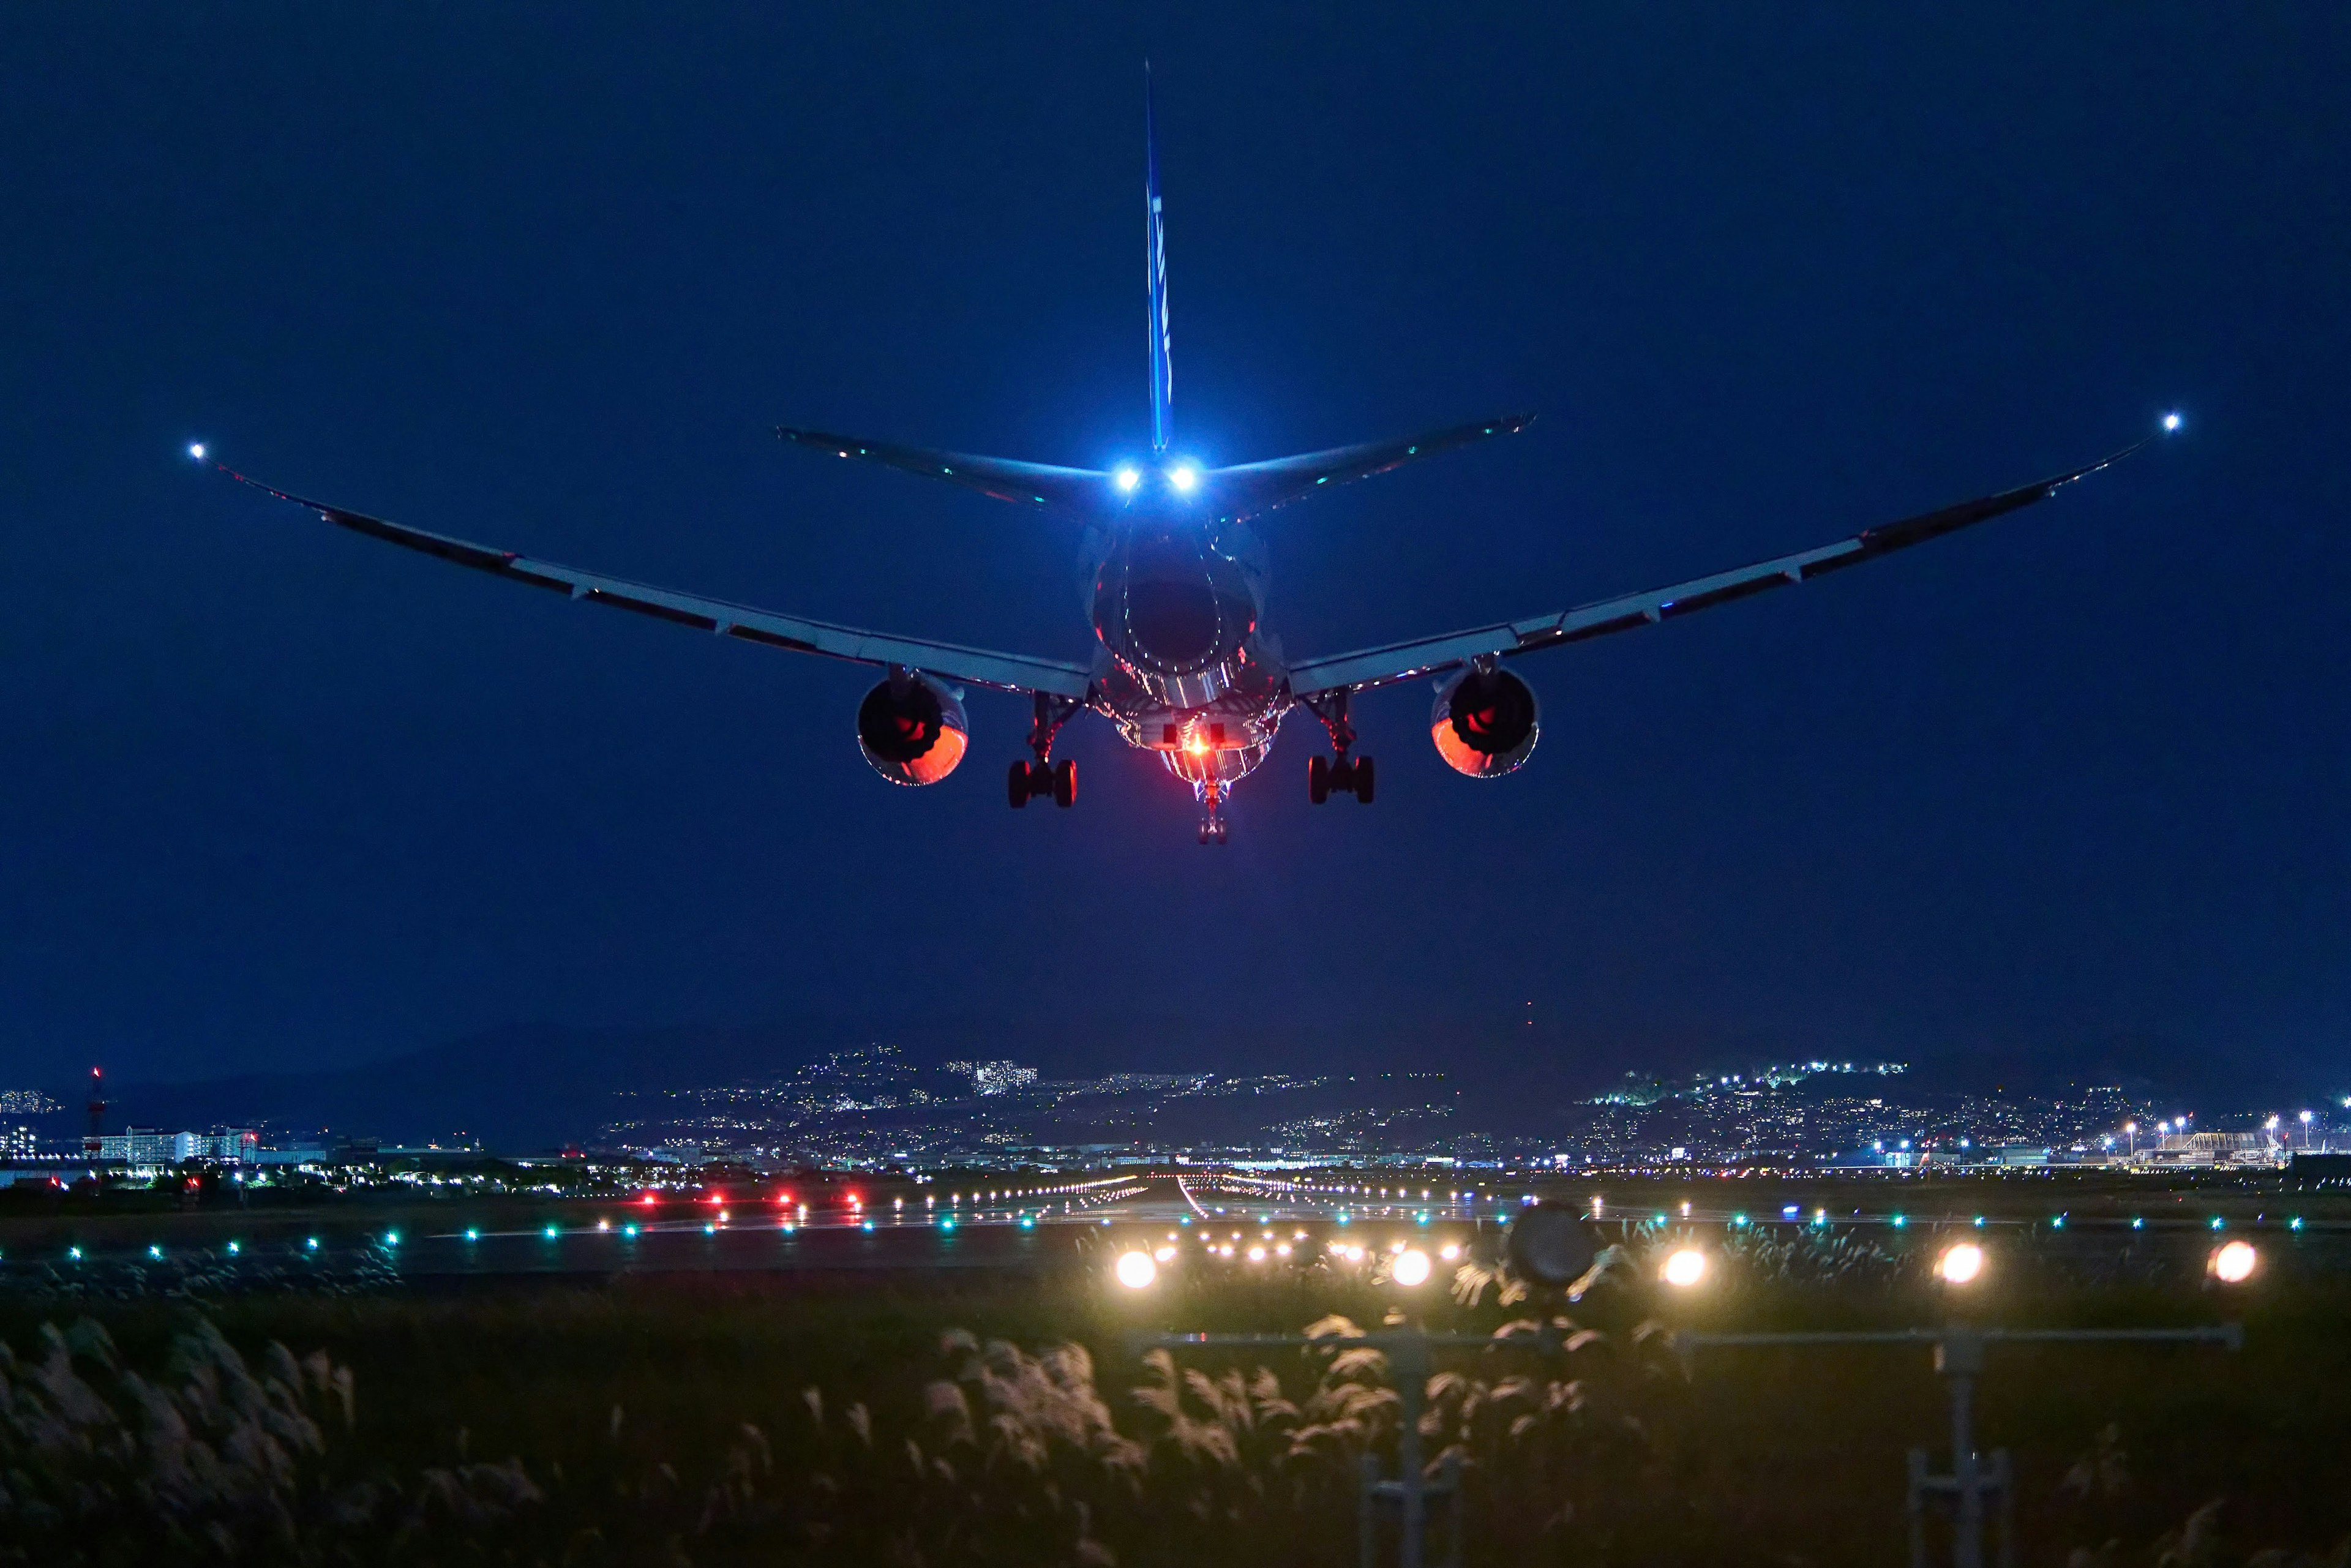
(916, 736)
(1485, 722)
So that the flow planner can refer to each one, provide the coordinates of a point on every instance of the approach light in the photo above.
(1185, 477)
(2170, 423)
(1961, 1264)
(1135, 1271)
(1685, 1267)
(1128, 478)
(234, 1249)
(472, 1234)
(2233, 1262)
(196, 450)
(1410, 1268)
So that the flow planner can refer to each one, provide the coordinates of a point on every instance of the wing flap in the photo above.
(979, 666)
(1429, 655)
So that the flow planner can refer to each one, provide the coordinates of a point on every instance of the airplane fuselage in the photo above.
(1184, 665)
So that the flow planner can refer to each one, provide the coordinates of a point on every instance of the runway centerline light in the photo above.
(1410, 1268)
(1961, 1264)
(1685, 1267)
(2233, 1261)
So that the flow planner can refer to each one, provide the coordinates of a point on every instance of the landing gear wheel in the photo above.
(1363, 773)
(1016, 787)
(1318, 779)
(1065, 782)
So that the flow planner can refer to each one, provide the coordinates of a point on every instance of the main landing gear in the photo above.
(1056, 781)
(1045, 778)
(1341, 772)
(1346, 775)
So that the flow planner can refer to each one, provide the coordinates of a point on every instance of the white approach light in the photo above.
(1411, 1268)
(2232, 1263)
(1185, 477)
(1136, 1270)
(1961, 1264)
(1685, 1267)
(1128, 478)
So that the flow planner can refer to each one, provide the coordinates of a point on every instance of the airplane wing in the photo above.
(1431, 655)
(1248, 488)
(1032, 483)
(949, 661)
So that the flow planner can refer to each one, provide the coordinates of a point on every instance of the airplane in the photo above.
(1175, 574)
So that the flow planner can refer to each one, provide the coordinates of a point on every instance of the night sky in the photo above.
(277, 796)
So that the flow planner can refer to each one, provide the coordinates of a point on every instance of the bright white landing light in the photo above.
(1684, 1267)
(196, 451)
(1127, 478)
(1411, 1267)
(1184, 477)
(1136, 1270)
(2171, 422)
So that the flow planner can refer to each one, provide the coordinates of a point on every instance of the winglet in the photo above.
(1163, 386)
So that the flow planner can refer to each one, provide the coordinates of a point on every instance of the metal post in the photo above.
(1914, 1507)
(1408, 1368)
(1960, 1360)
(1368, 1481)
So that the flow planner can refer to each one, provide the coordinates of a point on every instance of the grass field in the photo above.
(940, 1418)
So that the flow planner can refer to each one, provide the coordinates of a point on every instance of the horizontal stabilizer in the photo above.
(1248, 488)
(1031, 484)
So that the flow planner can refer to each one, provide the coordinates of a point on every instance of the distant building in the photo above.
(1000, 1077)
(144, 1146)
(19, 1142)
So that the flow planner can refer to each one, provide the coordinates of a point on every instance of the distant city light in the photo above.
(2233, 1262)
(1685, 1267)
(1961, 1264)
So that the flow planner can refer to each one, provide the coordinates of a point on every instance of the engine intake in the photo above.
(1485, 722)
(914, 735)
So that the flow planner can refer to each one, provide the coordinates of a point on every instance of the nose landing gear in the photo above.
(1214, 829)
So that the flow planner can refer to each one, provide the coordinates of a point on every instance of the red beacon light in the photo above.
(647, 1200)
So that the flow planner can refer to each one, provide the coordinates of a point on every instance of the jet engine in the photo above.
(1485, 722)
(912, 730)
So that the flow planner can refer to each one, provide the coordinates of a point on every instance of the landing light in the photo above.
(2233, 1262)
(1127, 478)
(1411, 1268)
(1185, 477)
(1961, 1264)
(1685, 1267)
(196, 451)
(2170, 423)
(1136, 1270)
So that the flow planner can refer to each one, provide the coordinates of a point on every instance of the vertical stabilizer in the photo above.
(1163, 420)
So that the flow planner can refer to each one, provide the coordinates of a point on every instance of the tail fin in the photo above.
(1163, 386)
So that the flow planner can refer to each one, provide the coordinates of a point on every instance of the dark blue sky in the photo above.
(547, 276)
